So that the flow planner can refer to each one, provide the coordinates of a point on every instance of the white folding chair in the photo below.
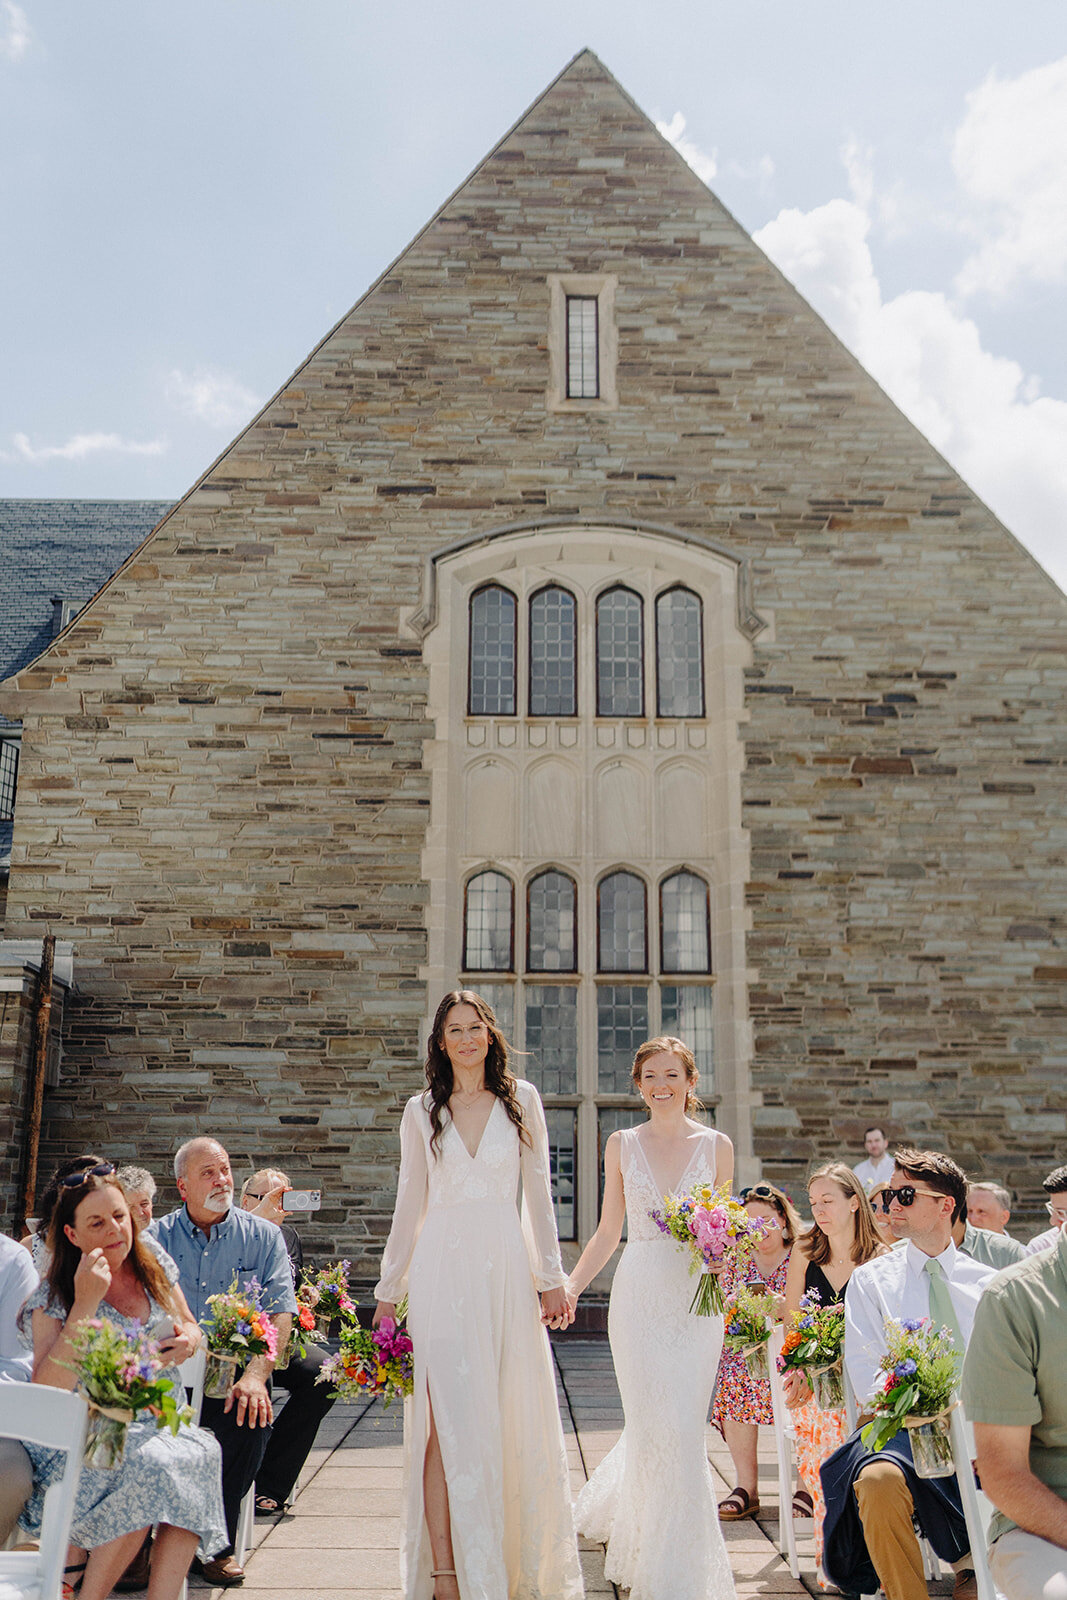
(977, 1511)
(192, 1373)
(783, 1452)
(33, 1413)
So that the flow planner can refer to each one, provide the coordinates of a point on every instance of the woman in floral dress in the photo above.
(743, 1403)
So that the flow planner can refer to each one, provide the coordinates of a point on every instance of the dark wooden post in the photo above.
(39, 1060)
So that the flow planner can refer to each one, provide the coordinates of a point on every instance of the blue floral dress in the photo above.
(163, 1477)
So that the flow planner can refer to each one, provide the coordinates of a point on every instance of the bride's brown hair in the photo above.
(499, 1078)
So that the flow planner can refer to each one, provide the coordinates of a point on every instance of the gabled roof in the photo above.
(64, 548)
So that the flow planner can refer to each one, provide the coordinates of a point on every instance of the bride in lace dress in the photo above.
(486, 1503)
(652, 1500)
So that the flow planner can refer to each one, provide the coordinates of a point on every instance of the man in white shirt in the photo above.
(872, 1498)
(1055, 1186)
(878, 1167)
(18, 1280)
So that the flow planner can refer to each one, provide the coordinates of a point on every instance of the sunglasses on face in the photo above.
(905, 1195)
(74, 1180)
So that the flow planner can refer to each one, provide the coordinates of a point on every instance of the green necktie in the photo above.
(942, 1311)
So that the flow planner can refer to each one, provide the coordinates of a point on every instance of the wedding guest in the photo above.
(140, 1187)
(1015, 1394)
(18, 1279)
(878, 1165)
(211, 1240)
(100, 1266)
(989, 1206)
(882, 1220)
(872, 1498)
(37, 1243)
(296, 1425)
(743, 1403)
(1055, 1186)
(843, 1236)
(994, 1250)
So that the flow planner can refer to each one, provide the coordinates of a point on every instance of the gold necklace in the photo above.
(466, 1101)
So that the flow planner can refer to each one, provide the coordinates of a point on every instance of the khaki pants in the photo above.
(16, 1482)
(1025, 1567)
(885, 1507)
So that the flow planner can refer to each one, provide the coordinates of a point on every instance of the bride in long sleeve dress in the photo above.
(487, 1512)
(652, 1499)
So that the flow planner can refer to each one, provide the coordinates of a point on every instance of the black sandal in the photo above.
(70, 1587)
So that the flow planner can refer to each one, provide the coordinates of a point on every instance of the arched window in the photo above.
(488, 923)
(551, 924)
(679, 654)
(620, 654)
(553, 642)
(492, 652)
(622, 924)
(684, 924)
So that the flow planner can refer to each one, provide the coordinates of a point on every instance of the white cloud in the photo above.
(704, 165)
(212, 397)
(14, 31)
(82, 445)
(1007, 440)
(1009, 159)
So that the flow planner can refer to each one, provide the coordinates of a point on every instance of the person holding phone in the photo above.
(296, 1425)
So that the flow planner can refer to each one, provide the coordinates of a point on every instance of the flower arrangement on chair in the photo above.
(921, 1369)
(747, 1329)
(813, 1345)
(322, 1299)
(118, 1371)
(238, 1330)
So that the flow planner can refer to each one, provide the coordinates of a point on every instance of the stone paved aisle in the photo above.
(340, 1543)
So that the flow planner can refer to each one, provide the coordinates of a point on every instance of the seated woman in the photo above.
(99, 1267)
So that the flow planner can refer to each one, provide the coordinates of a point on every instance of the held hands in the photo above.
(92, 1280)
(557, 1307)
(252, 1399)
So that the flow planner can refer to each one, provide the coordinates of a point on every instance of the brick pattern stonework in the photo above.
(223, 798)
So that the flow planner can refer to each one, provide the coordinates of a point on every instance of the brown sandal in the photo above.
(738, 1504)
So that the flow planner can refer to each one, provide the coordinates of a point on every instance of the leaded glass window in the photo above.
(685, 1011)
(492, 652)
(563, 1161)
(488, 921)
(553, 638)
(552, 1037)
(621, 1026)
(501, 996)
(583, 347)
(621, 924)
(620, 650)
(551, 924)
(684, 943)
(679, 654)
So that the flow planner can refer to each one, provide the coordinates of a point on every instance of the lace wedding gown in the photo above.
(472, 1271)
(652, 1499)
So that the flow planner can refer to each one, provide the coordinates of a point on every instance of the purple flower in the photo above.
(807, 1322)
(905, 1369)
(244, 1328)
(912, 1324)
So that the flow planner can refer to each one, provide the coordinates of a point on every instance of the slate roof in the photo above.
(60, 547)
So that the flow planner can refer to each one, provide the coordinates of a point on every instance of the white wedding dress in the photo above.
(652, 1499)
(472, 1270)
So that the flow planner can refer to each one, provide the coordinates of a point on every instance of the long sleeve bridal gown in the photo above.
(472, 1268)
(652, 1499)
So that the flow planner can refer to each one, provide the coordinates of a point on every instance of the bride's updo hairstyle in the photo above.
(667, 1044)
(499, 1077)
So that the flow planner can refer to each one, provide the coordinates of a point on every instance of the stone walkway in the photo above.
(340, 1543)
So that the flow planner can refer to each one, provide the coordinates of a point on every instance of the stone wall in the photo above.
(223, 797)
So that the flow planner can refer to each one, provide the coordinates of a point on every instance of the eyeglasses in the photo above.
(74, 1180)
(1055, 1211)
(905, 1195)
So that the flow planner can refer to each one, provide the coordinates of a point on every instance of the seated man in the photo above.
(18, 1280)
(140, 1187)
(1055, 1186)
(994, 1250)
(989, 1206)
(211, 1240)
(294, 1430)
(1015, 1394)
(869, 1538)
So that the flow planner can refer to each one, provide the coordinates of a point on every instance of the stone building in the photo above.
(581, 623)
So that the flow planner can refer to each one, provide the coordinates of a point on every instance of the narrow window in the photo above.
(620, 650)
(551, 924)
(621, 924)
(679, 654)
(685, 1011)
(553, 633)
(488, 923)
(492, 652)
(684, 924)
(583, 347)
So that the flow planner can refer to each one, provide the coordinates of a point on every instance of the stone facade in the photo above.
(229, 760)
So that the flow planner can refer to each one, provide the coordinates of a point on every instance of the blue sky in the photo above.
(191, 196)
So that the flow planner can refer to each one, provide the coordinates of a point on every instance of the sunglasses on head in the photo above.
(905, 1195)
(74, 1180)
(760, 1191)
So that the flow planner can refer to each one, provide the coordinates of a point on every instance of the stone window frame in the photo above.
(600, 286)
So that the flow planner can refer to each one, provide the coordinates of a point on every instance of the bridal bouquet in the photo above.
(747, 1329)
(814, 1344)
(372, 1362)
(921, 1368)
(239, 1329)
(118, 1371)
(707, 1223)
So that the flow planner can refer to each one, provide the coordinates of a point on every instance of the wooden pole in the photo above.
(41, 1023)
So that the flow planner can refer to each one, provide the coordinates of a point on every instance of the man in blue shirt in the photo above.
(211, 1240)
